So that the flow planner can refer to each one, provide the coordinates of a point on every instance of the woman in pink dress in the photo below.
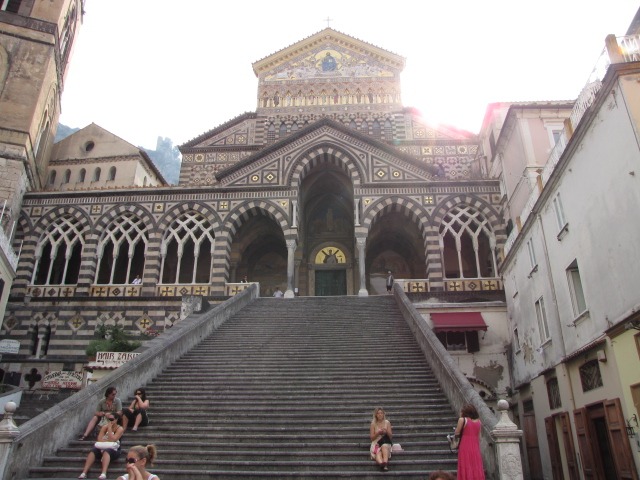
(469, 457)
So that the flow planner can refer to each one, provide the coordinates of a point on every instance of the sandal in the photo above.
(103, 476)
(82, 475)
(81, 438)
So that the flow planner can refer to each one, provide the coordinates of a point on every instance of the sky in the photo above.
(148, 68)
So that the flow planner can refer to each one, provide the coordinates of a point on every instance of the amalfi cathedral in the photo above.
(500, 267)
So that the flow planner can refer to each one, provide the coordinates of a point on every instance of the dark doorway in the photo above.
(331, 282)
(602, 441)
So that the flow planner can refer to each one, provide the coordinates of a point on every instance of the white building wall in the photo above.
(600, 197)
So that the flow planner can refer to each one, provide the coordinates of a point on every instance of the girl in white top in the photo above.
(138, 458)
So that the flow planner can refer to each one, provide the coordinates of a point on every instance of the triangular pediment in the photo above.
(328, 54)
(92, 142)
(235, 132)
(375, 163)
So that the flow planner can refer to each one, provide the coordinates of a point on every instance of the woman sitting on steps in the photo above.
(137, 411)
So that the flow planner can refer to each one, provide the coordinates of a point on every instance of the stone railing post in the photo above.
(506, 437)
(8, 433)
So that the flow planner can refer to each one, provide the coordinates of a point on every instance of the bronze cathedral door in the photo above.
(331, 282)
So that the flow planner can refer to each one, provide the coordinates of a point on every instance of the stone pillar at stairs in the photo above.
(8, 433)
(361, 243)
(291, 251)
(506, 437)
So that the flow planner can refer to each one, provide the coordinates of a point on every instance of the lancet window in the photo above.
(467, 244)
(59, 252)
(187, 250)
(121, 250)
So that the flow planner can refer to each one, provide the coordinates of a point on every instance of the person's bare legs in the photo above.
(91, 426)
(125, 419)
(87, 465)
(385, 454)
(137, 423)
(106, 459)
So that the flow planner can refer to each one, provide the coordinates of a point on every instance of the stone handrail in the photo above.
(453, 383)
(56, 427)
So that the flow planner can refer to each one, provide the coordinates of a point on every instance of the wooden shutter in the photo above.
(554, 449)
(581, 417)
(569, 449)
(620, 446)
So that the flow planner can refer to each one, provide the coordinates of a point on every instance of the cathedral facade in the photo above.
(330, 184)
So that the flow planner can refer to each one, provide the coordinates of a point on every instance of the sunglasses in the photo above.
(138, 393)
(132, 460)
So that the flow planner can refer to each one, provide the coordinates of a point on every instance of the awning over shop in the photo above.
(458, 322)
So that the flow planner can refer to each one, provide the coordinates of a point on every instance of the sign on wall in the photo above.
(114, 359)
(62, 379)
(9, 346)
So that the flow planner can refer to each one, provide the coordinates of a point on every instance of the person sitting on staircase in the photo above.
(381, 434)
(137, 411)
(138, 458)
(110, 432)
(110, 404)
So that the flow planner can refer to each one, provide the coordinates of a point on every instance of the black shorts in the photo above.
(114, 454)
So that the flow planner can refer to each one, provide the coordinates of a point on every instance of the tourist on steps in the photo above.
(138, 458)
(381, 434)
(111, 432)
(137, 411)
(110, 404)
(469, 456)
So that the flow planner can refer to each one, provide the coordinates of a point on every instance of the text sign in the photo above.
(9, 346)
(115, 358)
(60, 379)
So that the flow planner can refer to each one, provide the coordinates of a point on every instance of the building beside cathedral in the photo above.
(326, 187)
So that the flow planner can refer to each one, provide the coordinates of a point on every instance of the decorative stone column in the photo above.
(506, 437)
(8, 433)
(356, 212)
(361, 242)
(291, 251)
(294, 214)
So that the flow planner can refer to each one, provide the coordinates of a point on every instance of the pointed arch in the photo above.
(409, 207)
(468, 240)
(320, 154)
(59, 252)
(121, 250)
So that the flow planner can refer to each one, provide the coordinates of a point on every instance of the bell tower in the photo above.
(36, 39)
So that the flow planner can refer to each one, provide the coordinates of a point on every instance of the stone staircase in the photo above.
(286, 389)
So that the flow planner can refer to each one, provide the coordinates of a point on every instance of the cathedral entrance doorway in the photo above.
(331, 283)
(326, 231)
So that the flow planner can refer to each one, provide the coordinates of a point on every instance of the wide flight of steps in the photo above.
(286, 389)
